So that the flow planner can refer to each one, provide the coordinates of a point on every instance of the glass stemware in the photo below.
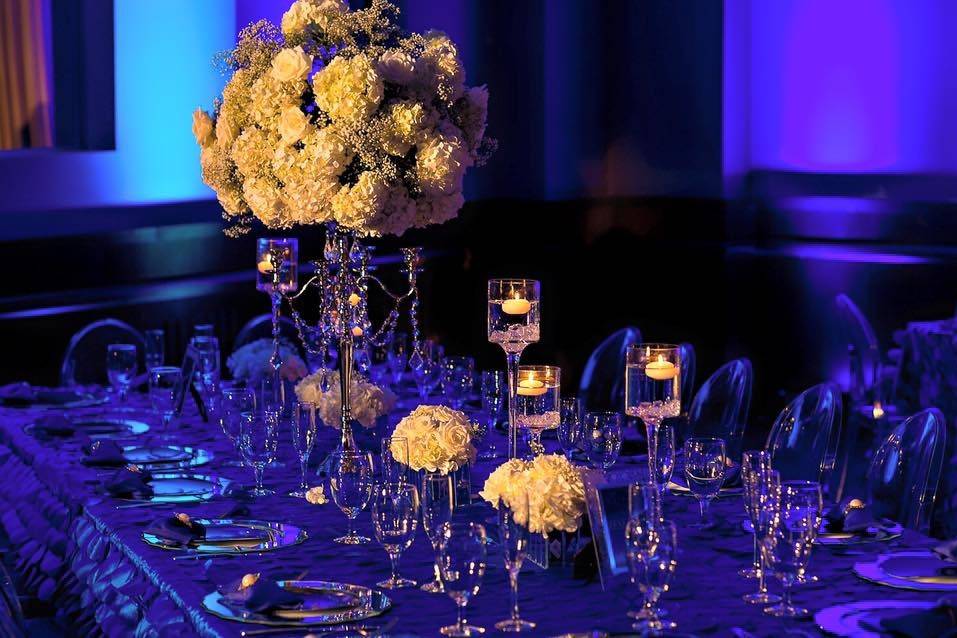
(351, 483)
(705, 466)
(602, 438)
(234, 401)
(644, 510)
(154, 353)
(397, 356)
(458, 377)
(763, 494)
(787, 545)
(494, 402)
(514, 317)
(207, 365)
(427, 370)
(652, 549)
(163, 381)
(438, 503)
(752, 461)
(513, 536)
(664, 455)
(395, 459)
(304, 430)
(811, 496)
(462, 562)
(570, 430)
(653, 389)
(121, 367)
(258, 441)
(537, 402)
(395, 516)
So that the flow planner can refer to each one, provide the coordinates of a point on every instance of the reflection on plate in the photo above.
(326, 603)
(863, 619)
(166, 456)
(100, 427)
(889, 532)
(923, 569)
(235, 536)
(56, 398)
(678, 485)
(874, 571)
(178, 487)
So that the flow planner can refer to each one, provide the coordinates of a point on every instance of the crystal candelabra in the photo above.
(277, 266)
(342, 279)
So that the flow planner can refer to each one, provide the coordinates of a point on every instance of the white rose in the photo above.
(293, 124)
(396, 66)
(203, 128)
(290, 65)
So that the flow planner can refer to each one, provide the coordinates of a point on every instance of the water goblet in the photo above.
(154, 353)
(787, 545)
(395, 459)
(664, 455)
(653, 389)
(458, 376)
(398, 356)
(234, 401)
(395, 516)
(651, 549)
(570, 430)
(121, 367)
(537, 402)
(304, 431)
(163, 382)
(514, 318)
(438, 503)
(258, 440)
(752, 461)
(494, 404)
(351, 484)
(705, 467)
(513, 536)
(462, 562)
(763, 494)
(602, 438)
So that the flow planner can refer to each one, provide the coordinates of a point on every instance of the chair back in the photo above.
(84, 361)
(602, 385)
(686, 352)
(720, 408)
(863, 350)
(804, 437)
(903, 478)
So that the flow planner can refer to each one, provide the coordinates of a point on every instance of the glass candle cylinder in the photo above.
(538, 401)
(277, 260)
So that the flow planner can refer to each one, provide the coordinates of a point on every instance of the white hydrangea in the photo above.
(250, 362)
(441, 162)
(203, 128)
(396, 66)
(368, 401)
(304, 14)
(359, 205)
(348, 89)
(439, 438)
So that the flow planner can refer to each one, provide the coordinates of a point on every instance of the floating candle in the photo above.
(531, 387)
(264, 266)
(661, 370)
(354, 299)
(878, 410)
(516, 306)
(356, 331)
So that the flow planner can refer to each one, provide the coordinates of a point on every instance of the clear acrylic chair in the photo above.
(260, 327)
(903, 478)
(804, 437)
(720, 408)
(686, 351)
(84, 361)
(863, 351)
(602, 385)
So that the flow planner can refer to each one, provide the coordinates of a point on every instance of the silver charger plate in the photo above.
(888, 533)
(235, 536)
(862, 619)
(678, 486)
(107, 427)
(181, 487)
(166, 456)
(370, 603)
(873, 572)
(61, 400)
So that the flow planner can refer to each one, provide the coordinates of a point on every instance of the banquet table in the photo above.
(86, 557)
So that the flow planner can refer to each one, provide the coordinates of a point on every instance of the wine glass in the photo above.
(398, 356)
(155, 348)
(570, 430)
(395, 516)
(207, 364)
(258, 441)
(514, 316)
(458, 376)
(652, 549)
(163, 382)
(752, 461)
(664, 455)
(438, 503)
(234, 400)
(121, 367)
(513, 535)
(494, 402)
(537, 402)
(705, 466)
(303, 440)
(395, 459)
(602, 438)
(811, 493)
(644, 511)
(462, 561)
(787, 545)
(653, 389)
(763, 497)
(351, 482)
(427, 370)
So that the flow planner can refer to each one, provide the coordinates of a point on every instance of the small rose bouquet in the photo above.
(440, 438)
(368, 401)
(556, 492)
(250, 363)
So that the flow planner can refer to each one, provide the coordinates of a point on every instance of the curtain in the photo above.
(25, 84)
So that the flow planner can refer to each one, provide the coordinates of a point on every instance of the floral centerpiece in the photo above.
(341, 116)
(556, 492)
(440, 439)
(250, 363)
(369, 401)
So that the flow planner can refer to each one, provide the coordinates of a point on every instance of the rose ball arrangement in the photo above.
(439, 439)
(369, 402)
(250, 363)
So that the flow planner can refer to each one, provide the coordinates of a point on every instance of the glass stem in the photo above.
(754, 559)
(762, 584)
(512, 359)
(651, 429)
(349, 532)
(303, 464)
(460, 621)
(394, 561)
(258, 474)
(703, 504)
(787, 594)
(513, 582)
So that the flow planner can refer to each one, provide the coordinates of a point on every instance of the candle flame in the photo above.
(661, 358)
(878, 410)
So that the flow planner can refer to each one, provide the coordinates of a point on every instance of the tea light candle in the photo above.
(516, 306)
(531, 387)
(356, 331)
(878, 410)
(661, 370)
(354, 299)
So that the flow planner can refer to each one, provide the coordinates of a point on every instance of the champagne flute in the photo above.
(207, 349)
(644, 512)
(303, 440)
(513, 523)
(494, 402)
(155, 348)
(121, 367)
(602, 438)
(752, 461)
(652, 550)
(462, 562)
(705, 466)
(514, 317)
(811, 494)
(163, 381)
(235, 400)
(395, 516)
(664, 455)
(787, 545)
(763, 489)
(395, 459)
(398, 356)
(351, 482)
(570, 430)
(653, 389)
(438, 503)
(258, 441)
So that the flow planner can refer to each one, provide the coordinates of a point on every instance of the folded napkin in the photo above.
(179, 527)
(850, 515)
(947, 550)
(260, 595)
(940, 620)
(104, 453)
(130, 482)
(53, 425)
(17, 394)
